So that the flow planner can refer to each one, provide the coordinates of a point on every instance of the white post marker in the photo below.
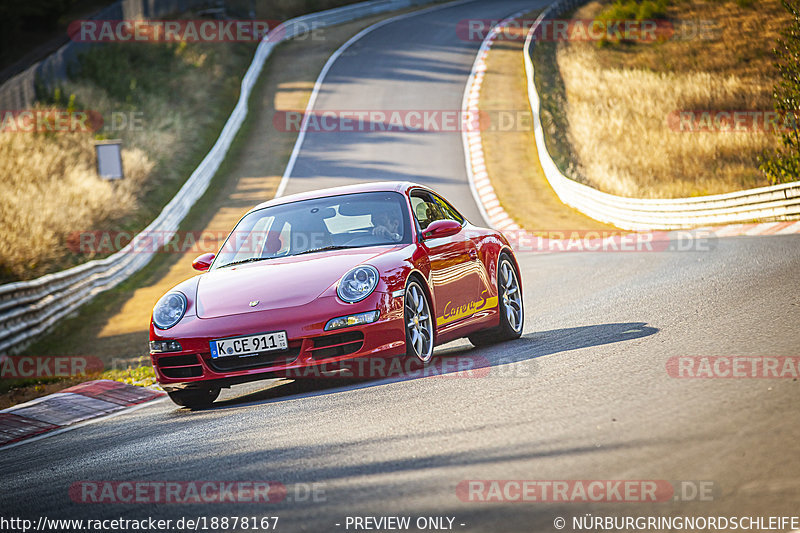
(109, 159)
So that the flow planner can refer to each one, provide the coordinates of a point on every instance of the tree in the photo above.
(783, 165)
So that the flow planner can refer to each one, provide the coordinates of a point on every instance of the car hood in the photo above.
(275, 283)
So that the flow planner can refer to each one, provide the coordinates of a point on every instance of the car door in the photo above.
(454, 266)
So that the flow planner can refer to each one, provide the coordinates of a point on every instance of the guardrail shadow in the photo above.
(448, 363)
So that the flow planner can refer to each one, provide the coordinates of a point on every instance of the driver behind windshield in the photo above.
(387, 225)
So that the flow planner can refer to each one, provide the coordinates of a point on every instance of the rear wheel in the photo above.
(512, 313)
(194, 398)
(419, 323)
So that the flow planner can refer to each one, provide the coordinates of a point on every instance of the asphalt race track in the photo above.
(418, 63)
(584, 395)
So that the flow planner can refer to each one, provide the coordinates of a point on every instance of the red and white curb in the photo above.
(766, 228)
(80, 403)
(479, 181)
(489, 204)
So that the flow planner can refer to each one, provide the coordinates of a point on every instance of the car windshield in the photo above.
(307, 226)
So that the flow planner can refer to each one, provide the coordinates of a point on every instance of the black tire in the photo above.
(194, 398)
(512, 311)
(418, 320)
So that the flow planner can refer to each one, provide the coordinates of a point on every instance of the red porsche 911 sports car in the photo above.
(377, 270)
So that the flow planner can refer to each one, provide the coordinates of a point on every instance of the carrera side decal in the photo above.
(455, 312)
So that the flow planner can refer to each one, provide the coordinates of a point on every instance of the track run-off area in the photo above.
(600, 386)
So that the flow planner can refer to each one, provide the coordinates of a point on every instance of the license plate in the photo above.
(249, 344)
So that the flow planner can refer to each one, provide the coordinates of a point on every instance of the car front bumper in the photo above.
(312, 350)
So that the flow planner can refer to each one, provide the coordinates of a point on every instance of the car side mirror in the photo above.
(202, 263)
(441, 228)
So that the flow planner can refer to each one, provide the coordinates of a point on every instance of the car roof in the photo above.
(375, 186)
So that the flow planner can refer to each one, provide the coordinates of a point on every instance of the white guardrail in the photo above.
(778, 202)
(27, 308)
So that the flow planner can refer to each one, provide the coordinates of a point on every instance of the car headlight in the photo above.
(169, 310)
(351, 320)
(358, 284)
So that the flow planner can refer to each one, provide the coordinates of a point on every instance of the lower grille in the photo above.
(336, 345)
(180, 366)
(183, 372)
(178, 360)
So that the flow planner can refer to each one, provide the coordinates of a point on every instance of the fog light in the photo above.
(352, 320)
(165, 346)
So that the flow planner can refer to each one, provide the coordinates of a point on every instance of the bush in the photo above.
(783, 165)
(632, 10)
(129, 72)
(649, 10)
(635, 10)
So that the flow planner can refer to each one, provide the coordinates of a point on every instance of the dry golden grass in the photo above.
(618, 127)
(620, 98)
(49, 186)
(512, 159)
(709, 36)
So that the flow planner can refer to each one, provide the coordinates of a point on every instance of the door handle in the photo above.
(473, 253)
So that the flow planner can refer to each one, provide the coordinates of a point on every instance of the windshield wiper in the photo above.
(324, 248)
(248, 260)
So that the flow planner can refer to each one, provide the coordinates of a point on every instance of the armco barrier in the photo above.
(27, 308)
(779, 202)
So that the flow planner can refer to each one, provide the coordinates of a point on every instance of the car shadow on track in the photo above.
(460, 361)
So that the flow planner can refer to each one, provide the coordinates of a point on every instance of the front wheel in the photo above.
(512, 313)
(194, 398)
(419, 323)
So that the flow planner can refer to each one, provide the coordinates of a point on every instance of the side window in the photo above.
(448, 211)
(426, 209)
